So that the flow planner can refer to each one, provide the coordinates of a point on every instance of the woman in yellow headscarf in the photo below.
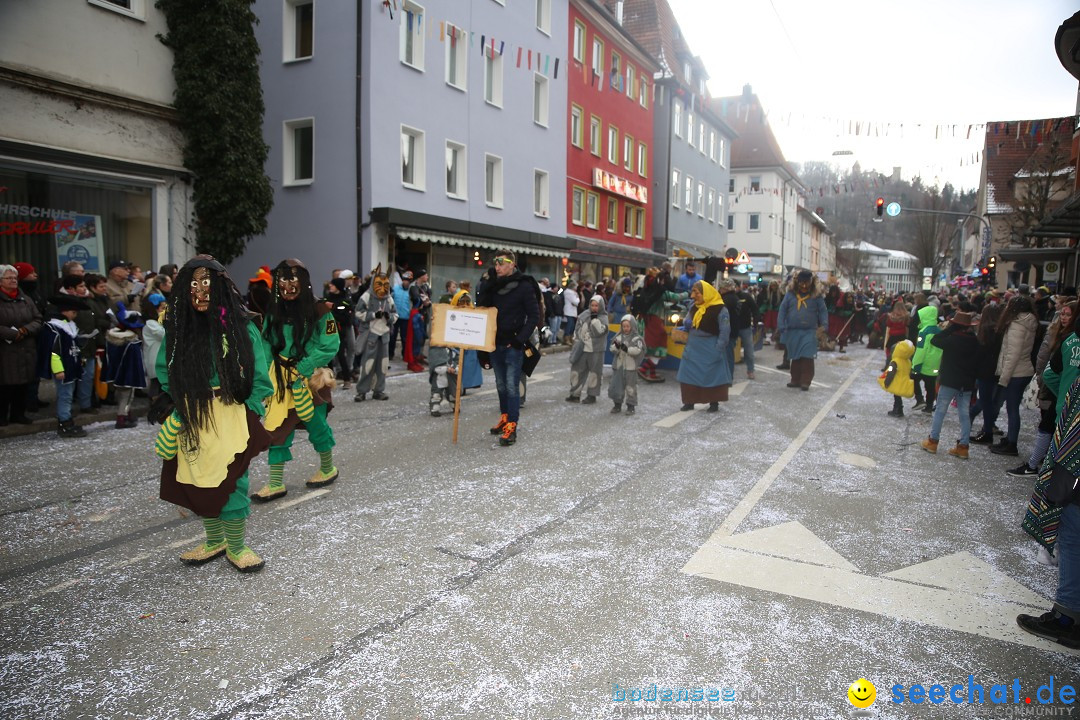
(705, 371)
(471, 375)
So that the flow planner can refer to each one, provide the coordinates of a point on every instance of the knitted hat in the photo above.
(24, 269)
(263, 276)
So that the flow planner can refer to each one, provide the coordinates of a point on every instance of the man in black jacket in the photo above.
(959, 367)
(744, 318)
(515, 296)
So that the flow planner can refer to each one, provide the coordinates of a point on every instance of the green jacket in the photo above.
(927, 360)
(1062, 370)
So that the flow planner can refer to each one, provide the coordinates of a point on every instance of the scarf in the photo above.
(800, 301)
(11, 293)
(458, 295)
(709, 297)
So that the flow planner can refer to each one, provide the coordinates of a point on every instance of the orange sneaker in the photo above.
(503, 419)
(509, 434)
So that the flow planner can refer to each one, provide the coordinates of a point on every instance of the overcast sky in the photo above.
(917, 61)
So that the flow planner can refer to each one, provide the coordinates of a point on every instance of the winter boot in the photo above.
(509, 434)
(960, 451)
(629, 409)
(1055, 625)
(503, 419)
(617, 409)
(1005, 448)
(929, 445)
(68, 429)
(983, 438)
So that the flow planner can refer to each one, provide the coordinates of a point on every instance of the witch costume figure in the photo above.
(300, 338)
(214, 379)
(376, 314)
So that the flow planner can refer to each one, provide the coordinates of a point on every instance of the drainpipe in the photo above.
(667, 178)
(359, 141)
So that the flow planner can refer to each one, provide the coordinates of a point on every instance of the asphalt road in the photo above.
(766, 556)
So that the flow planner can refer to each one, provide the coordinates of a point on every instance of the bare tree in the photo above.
(852, 262)
(932, 233)
(1039, 187)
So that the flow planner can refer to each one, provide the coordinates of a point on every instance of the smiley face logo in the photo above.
(862, 693)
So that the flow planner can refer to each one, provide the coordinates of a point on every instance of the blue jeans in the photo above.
(85, 391)
(556, 321)
(944, 400)
(568, 331)
(984, 403)
(64, 393)
(747, 337)
(506, 362)
(1010, 395)
(1068, 554)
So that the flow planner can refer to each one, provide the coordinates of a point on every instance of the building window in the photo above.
(687, 74)
(719, 206)
(616, 71)
(690, 127)
(592, 210)
(493, 77)
(755, 183)
(298, 30)
(675, 188)
(628, 220)
(701, 199)
(299, 149)
(731, 222)
(457, 57)
(642, 160)
(541, 193)
(755, 222)
(612, 215)
(412, 34)
(643, 93)
(628, 152)
(720, 153)
(575, 126)
(701, 137)
(712, 145)
(677, 117)
(639, 227)
(543, 16)
(493, 181)
(731, 185)
(613, 144)
(598, 57)
(630, 81)
(540, 100)
(710, 205)
(132, 8)
(595, 139)
(577, 206)
(457, 177)
(412, 158)
(688, 194)
(579, 41)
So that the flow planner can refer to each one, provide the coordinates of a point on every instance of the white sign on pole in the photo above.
(928, 272)
(1051, 270)
(927, 283)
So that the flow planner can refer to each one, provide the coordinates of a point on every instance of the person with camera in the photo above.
(376, 314)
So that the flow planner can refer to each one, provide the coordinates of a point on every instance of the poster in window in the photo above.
(81, 244)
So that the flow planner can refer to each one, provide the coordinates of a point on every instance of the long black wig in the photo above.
(300, 313)
(199, 343)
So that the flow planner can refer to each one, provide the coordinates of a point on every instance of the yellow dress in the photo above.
(897, 377)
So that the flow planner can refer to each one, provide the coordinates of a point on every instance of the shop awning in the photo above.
(469, 241)
(678, 248)
(1064, 222)
(1036, 255)
(603, 251)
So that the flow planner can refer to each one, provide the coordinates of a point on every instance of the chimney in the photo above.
(747, 91)
(619, 11)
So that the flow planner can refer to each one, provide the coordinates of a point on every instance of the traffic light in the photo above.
(992, 262)
(985, 271)
(880, 205)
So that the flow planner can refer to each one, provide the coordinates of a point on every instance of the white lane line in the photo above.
(774, 371)
(739, 513)
(673, 420)
(737, 388)
(303, 498)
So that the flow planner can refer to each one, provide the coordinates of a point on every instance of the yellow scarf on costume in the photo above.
(458, 295)
(800, 301)
(709, 297)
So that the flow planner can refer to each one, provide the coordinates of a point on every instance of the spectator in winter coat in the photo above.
(1014, 369)
(959, 366)
(986, 372)
(20, 321)
(927, 360)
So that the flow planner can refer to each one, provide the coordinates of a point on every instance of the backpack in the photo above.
(557, 302)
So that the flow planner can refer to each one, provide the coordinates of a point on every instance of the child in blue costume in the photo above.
(214, 381)
(299, 337)
(60, 358)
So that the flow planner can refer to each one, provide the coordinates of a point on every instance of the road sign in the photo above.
(927, 283)
(1051, 270)
(928, 272)
(893, 209)
(743, 259)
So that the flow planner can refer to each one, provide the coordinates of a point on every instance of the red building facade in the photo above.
(610, 124)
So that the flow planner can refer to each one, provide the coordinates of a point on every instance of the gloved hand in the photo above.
(166, 444)
(305, 404)
(516, 344)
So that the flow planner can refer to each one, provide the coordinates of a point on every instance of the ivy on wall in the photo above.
(220, 104)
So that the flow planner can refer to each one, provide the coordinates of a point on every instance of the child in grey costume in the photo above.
(587, 371)
(627, 350)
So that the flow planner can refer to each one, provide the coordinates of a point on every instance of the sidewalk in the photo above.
(45, 419)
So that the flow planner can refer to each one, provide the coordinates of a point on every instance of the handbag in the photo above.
(577, 350)
(1030, 400)
(680, 336)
